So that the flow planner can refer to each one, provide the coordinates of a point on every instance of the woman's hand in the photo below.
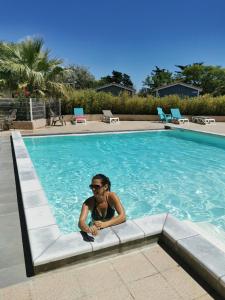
(93, 230)
(100, 224)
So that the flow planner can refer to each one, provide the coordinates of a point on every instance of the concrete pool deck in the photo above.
(12, 266)
(133, 125)
(146, 273)
(97, 126)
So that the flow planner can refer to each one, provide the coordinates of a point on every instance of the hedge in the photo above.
(94, 102)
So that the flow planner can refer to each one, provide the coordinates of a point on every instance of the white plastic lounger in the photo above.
(177, 117)
(203, 120)
(109, 118)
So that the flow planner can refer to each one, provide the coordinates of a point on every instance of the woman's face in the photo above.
(97, 187)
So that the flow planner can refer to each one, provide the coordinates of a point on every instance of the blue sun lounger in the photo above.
(79, 115)
(164, 117)
(175, 112)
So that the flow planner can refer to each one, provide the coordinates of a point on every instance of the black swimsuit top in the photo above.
(97, 217)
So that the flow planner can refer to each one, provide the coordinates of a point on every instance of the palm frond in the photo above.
(27, 64)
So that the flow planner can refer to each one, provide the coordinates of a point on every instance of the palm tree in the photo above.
(27, 66)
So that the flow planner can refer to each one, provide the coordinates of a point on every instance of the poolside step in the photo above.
(210, 232)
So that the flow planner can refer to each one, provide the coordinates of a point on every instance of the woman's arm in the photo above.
(115, 220)
(82, 221)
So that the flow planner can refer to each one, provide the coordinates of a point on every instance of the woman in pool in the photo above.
(102, 205)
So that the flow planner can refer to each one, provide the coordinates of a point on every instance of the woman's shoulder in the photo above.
(111, 194)
(112, 197)
(89, 202)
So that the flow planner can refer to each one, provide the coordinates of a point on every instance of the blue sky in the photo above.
(128, 36)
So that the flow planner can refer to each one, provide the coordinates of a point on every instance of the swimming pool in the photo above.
(177, 171)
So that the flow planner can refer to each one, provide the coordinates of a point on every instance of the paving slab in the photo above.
(133, 267)
(183, 283)
(6, 183)
(121, 292)
(10, 230)
(10, 255)
(154, 287)
(12, 275)
(95, 278)
(7, 208)
(205, 297)
(7, 196)
(159, 258)
(12, 266)
(58, 286)
(7, 174)
(128, 275)
(16, 292)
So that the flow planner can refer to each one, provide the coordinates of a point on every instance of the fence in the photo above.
(30, 109)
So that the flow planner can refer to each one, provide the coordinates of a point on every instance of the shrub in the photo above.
(94, 102)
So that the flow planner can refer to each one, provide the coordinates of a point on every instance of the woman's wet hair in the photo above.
(104, 179)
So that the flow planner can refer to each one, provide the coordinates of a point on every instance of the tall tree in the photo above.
(117, 77)
(210, 78)
(191, 74)
(127, 81)
(158, 77)
(79, 77)
(104, 80)
(27, 66)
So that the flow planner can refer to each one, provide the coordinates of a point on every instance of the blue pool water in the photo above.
(180, 172)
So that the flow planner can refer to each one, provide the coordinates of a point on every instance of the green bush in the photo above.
(94, 102)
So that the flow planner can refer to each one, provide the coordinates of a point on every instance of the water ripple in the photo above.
(179, 172)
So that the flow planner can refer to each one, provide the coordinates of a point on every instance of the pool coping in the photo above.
(83, 133)
(51, 247)
(174, 126)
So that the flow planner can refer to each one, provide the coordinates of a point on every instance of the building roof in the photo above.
(118, 85)
(179, 83)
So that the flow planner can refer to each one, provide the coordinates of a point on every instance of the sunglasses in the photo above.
(95, 186)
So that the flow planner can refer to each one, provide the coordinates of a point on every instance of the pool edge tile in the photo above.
(30, 185)
(105, 239)
(42, 238)
(66, 246)
(204, 252)
(34, 199)
(175, 230)
(151, 225)
(128, 231)
(40, 216)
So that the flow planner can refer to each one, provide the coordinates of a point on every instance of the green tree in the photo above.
(158, 77)
(104, 80)
(210, 78)
(127, 81)
(26, 66)
(117, 77)
(79, 77)
(191, 74)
